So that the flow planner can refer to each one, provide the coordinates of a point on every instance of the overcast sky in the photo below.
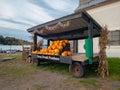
(18, 15)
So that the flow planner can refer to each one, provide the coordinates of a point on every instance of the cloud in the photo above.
(17, 15)
(10, 25)
(21, 13)
(38, 13)
(62, 5)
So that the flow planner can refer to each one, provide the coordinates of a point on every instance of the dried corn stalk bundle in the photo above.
(23, 52)
(32, 44)
(39, 44)
(103, 63)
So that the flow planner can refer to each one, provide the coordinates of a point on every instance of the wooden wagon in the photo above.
(73, 27)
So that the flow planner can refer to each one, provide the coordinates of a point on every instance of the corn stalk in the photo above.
(103, 63)
(23, 50)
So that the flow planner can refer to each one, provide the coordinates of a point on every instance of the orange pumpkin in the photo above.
(60, 47)
(49, 48)
(56, 51)
(53, 47)
(64, 44)
(60, 44)
(56, 44)
(69, 53)
(64, 54)
(66, 41)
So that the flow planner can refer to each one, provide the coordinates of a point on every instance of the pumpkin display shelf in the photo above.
(59, 47)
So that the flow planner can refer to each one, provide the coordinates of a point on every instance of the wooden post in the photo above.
(90, 34)
(75, 46)
(48, 43)
(35, 41)
(89, 43)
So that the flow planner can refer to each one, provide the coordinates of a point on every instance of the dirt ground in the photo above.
(48, 80)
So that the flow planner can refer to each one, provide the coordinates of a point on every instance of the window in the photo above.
(114, 37)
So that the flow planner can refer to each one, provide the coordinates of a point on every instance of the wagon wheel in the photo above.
(76, 69)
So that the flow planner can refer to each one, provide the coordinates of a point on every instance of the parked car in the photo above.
(2, 51)
(10, 51)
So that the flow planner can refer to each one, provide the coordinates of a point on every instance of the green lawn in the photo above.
(114, 68)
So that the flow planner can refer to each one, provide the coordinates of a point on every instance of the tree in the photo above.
(11, 41)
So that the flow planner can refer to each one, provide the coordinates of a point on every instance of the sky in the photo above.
(16, 16)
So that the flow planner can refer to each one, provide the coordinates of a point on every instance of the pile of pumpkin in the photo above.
(55, 48)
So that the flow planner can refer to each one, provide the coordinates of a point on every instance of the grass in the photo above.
(118, 89)
(55, 67)
(88, 82)
(114, 68)
(14, 69)
(16, 56)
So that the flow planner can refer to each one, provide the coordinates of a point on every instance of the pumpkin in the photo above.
(60, 44)
(56, 51)
(49, 48)
(69, 53)
(64, 54)
(60, 47)
(53, 47)
(66, 41)
(64, 44)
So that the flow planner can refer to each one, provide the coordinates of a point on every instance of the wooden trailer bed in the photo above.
(82, 57)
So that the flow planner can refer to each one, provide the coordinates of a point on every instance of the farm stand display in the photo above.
(59, 33)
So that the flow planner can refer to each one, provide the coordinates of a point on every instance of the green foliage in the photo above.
(11, 41)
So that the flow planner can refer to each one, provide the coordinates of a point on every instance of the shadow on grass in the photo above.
(55, 67)
(64, 69)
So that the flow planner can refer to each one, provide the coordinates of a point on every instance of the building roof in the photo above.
(90, 4)
(73, 26)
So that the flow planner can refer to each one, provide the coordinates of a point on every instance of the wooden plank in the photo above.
(81, 57)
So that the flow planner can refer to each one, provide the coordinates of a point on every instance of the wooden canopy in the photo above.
(73, 26)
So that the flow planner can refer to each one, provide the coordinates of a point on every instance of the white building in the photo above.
(105, 12)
